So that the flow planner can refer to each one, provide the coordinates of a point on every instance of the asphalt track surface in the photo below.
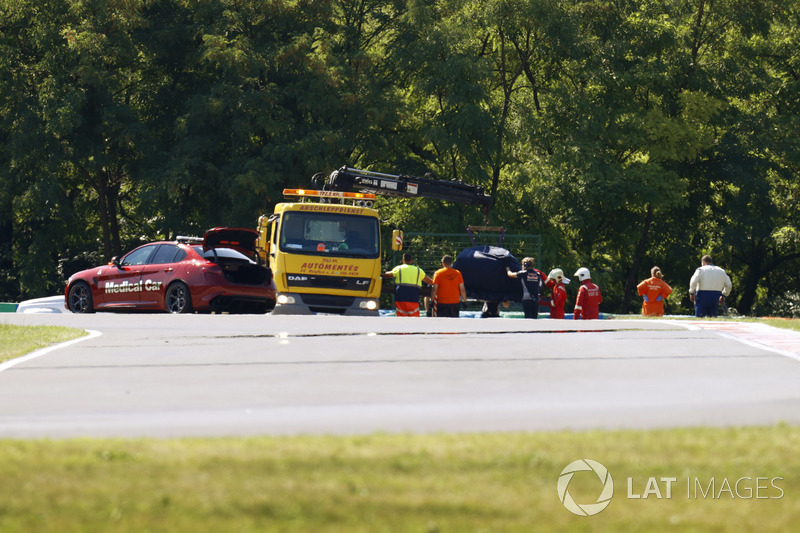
(211, 375)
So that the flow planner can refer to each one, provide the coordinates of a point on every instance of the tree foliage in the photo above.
(627, 134)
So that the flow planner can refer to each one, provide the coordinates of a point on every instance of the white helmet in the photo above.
(558, 276)
(583, 274)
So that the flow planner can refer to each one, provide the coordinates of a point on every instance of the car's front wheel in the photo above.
(79, 298)
(178, 299)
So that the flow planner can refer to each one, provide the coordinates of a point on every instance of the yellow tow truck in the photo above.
(324, 247)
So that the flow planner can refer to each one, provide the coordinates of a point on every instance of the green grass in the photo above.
(19, 340)
(426, 483)
(786, 323)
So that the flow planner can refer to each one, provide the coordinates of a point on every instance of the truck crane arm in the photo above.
(405, 186)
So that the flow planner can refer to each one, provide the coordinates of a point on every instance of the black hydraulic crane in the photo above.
(348, 179)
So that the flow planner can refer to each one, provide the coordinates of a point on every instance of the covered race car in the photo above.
(215, 273)
(484, 271)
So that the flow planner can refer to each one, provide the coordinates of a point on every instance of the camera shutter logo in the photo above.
(585, 509)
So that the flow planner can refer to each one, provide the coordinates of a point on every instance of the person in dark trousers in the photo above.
(448, 291)
(408, 278)
(708, 288)
(491, 309)
(532, 283)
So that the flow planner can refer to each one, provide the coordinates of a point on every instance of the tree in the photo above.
(628, 135)
(58, 151)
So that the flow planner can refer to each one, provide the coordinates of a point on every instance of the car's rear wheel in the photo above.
(79, 298)
(178, 299)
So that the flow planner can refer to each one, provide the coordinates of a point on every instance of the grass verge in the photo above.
(19, 340)
(738, 479)
(786, 323)
(778, 322)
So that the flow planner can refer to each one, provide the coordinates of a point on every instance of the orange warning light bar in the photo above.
(306, 193)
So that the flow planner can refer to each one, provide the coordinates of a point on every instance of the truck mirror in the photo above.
(397, 240)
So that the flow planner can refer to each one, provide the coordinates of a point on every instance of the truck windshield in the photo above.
(330, 234)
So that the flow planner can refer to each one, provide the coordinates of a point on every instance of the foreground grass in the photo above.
(19, 340)
(424, 483)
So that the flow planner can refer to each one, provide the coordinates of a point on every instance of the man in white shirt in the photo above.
(708, 286)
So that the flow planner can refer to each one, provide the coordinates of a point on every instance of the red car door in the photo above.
(118, 285)
(160, 269)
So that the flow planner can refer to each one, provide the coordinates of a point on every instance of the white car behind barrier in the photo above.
(50, 304)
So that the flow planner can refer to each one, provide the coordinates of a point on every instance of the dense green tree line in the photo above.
(627, 133)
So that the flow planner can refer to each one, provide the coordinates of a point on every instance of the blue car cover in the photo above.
(484, 271)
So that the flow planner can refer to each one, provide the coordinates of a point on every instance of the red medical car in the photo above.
(215, 273)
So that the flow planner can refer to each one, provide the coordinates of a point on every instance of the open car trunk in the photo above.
(239, 268)
(232, 249)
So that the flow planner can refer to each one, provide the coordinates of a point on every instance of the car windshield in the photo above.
(329, 234)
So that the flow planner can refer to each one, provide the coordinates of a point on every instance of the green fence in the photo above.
(428, 248)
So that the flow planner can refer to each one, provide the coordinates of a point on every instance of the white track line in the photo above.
(43, 351)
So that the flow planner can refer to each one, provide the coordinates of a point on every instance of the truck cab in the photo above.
(324, 249)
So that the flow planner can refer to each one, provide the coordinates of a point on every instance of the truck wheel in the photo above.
(79, 299)
(178, 300)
